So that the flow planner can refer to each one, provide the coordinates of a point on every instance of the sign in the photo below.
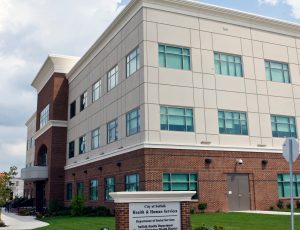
(155, 216)
(290, 145)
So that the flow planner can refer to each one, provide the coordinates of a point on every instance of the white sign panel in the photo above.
(155, 216)
(290, 146)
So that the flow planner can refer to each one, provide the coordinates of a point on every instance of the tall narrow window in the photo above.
(174, 57)
(72, 109)
(80, 188)
(233, 123)
(93, 189)
(44, 116)
(133, 122)
(228, 64)
(283, 126)
(96, 138)
(96, 90)
(71, 149)
(112, 131)
(112, 78)
(83, 101)
(132, 183)
(132, 62)
(82, 144)
(180, 182)
(277, 71)
(69, 191)
(176, 119)
(109, 187)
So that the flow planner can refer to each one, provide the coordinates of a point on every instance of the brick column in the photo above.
(185, 215)
(122, 216)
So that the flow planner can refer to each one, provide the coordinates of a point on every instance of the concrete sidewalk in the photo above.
(14, 221)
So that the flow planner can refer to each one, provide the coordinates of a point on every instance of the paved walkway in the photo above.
(14, 221)
(269, 212)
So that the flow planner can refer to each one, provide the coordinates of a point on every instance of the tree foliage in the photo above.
(4, 184)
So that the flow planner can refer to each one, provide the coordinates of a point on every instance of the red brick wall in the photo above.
(122, 216)
(212, 178)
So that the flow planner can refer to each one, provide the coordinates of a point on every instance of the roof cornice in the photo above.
(54, 64)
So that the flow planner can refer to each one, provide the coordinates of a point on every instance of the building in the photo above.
(17, 187)
(174, 95)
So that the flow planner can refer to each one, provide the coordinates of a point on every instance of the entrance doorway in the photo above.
(238, 192)
(40, 196)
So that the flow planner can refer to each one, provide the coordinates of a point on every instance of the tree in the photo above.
(4, 184)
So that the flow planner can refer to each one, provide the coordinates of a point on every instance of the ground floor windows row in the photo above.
(284, 187)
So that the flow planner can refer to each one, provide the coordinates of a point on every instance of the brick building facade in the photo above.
(174, 95)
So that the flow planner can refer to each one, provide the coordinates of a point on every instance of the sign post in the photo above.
(290, 153)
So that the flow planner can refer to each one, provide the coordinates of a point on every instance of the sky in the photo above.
(31, 29)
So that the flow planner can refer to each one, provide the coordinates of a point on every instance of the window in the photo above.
(96, 91)
(71, 149)
(132, 62)
(180, 182)
(132, 183)
(112, 78)
(133, 122)
(112, 131)
(96, 138)
(174, 57)
(44, 116)
(176, 119)
(80, 188)
(283, 126)
(72, 109)
(93, 189)
(109, 187)
(233, 123)
(277, 71)
(82, 142)
(228, 64)
(69, 191)
(83, 101)
(284, 187)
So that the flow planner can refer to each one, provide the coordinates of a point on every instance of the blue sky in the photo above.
(29, 31)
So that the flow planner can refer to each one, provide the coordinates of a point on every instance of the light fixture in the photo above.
(208, 161)
(239, 161)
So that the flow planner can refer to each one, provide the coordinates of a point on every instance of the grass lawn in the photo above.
(230, 221)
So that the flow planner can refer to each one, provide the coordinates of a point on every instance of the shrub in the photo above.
(298, 204)
(2, 224)
(77, 205)
(202, 207)
(288, 205)
(98, 211)
(203, 227)
(54, 206)
(192, 210)
(280, 204)
(272, 208)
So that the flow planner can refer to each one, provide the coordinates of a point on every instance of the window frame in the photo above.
(269, 68)
(72, 110)
(44, 116)
(83, 101)
(296, 185)
(189, 182)
(234, 56)
(182, 56)
(136, 50)
(136, 184)
(69, 157)
(92, 139)
(69, 192)
(186, 116)
(94, 98)
(108, 130)
(114, 76)
(80, 187)
(241, 130)
(276, 116)
(107, 197)
(138, 121)
(96, 187)
(83, 141)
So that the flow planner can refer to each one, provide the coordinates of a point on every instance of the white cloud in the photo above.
(270, 2)
(295, 7)
(29, 30)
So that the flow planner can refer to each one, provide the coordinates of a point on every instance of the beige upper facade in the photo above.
(30, 149)
(204, 30)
